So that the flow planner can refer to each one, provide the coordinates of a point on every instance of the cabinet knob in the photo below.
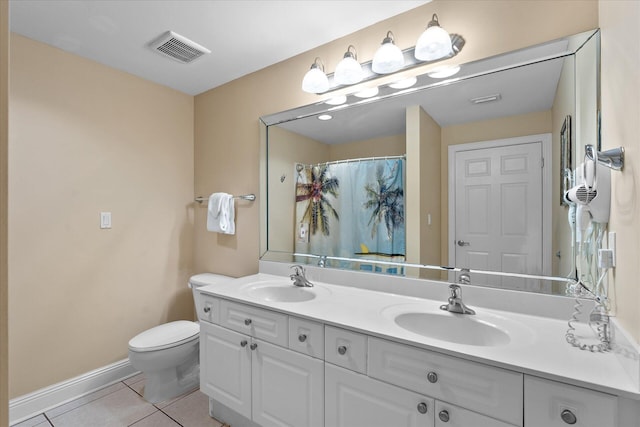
(207, 309)
(243, 343)
(253, 346)
(432, 377)
(568, 417)
(422, 408)
(342, 349)
(444, 416)
(302, 337)
(247, 322)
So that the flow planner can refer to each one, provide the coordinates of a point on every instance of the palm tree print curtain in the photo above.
(352, 209)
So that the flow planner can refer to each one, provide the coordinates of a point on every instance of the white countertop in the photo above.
(537, 346)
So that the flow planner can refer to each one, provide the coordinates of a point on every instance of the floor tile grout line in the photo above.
(47, 418)
(143, 418)
(174, 420)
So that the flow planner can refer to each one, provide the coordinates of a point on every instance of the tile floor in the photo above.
(122, 405)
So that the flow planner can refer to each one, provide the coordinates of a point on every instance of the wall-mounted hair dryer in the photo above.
(593, 191)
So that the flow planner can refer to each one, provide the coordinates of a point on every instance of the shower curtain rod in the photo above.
(362, 159)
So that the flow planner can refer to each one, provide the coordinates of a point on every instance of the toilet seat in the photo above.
(165, 336)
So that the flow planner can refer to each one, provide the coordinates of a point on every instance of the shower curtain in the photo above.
(352, 209)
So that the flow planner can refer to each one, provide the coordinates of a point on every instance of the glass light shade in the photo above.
(388, 58)
(348, 71)
(433, 44)
(315, 81)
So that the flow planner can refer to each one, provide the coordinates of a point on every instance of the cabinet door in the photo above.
(552, 404)
(453, 416)
(288, 387)
(355, 400)
(225, 367)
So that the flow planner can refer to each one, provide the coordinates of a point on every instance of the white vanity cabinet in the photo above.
(267, 383)
(355, 400)
(552, 404)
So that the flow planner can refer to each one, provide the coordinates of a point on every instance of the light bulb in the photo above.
(388, 58)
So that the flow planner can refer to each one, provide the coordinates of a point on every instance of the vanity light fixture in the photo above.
(434, 43)
(485, 99)
(315, 81)
(349, 71)
(388, 58)
(404, 83)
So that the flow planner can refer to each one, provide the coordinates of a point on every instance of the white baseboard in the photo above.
(32, 404)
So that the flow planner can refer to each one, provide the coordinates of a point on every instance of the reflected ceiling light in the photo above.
(388, 58)
(405, 83)
(367, 92)
(434, 43)
(336, 100)
(315, 81)
(443, 71)
(325, 117)
(349, 71)
(487, 98)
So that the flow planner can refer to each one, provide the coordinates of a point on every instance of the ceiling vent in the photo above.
(178, 47)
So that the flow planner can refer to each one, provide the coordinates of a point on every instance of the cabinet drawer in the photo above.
(345, 348)
(355, 400)
(259, 323)
(545, 401)
(208, 308)
(490, 391)
(306, 336)
(448, 415)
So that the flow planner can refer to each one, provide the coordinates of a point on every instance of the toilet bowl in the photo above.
(168, 354)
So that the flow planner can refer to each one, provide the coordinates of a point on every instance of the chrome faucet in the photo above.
(299, 278)
(455, 304)
(464, 278)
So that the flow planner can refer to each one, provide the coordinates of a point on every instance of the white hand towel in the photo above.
(221, 213)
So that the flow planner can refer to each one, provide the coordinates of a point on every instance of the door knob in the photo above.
(422, 408)
(253, 346)
(463, 243)
(247, 322)
(444, 416)
(302, 337)
(342, 349)
(243, 343)
(568, 417)
(432, 377)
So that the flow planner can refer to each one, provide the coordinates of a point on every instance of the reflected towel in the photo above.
(221, 213)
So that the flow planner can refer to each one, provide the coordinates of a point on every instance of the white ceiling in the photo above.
(243, 35)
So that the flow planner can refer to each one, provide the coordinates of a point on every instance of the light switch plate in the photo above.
(105, 220)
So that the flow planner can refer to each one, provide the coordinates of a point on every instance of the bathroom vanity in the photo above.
(273, 354)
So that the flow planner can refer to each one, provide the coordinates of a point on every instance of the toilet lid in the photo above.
(164, 336)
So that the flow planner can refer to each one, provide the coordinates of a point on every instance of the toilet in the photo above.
(168, 354)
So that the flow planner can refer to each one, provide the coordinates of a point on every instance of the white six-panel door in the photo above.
(497, 222)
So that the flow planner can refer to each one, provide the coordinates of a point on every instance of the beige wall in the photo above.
(83, 139)
(290, 148)
(4, 137)
(393, 145)
(226, 125)
(621, 127)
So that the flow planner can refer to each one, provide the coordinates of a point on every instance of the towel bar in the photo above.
(249, 197)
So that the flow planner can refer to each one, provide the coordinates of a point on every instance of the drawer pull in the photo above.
(243, 343)
(568, 417)
(432, 377)
(253, 346)
(422, 408)
(207, 309)
(247, 322)
(444, 416)
(342, 349)
(302, 337)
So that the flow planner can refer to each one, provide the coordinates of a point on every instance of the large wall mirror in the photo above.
(459, 172)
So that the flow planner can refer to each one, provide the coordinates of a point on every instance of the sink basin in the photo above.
(281, 291)
(456, 328)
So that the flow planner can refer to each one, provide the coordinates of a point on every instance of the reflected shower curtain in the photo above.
(352, 209)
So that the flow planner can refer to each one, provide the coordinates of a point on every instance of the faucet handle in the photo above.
(299, 270)
(456, 291)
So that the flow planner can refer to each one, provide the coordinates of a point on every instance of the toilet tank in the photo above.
(204, 279)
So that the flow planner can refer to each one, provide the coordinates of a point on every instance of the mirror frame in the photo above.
(411, 270)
